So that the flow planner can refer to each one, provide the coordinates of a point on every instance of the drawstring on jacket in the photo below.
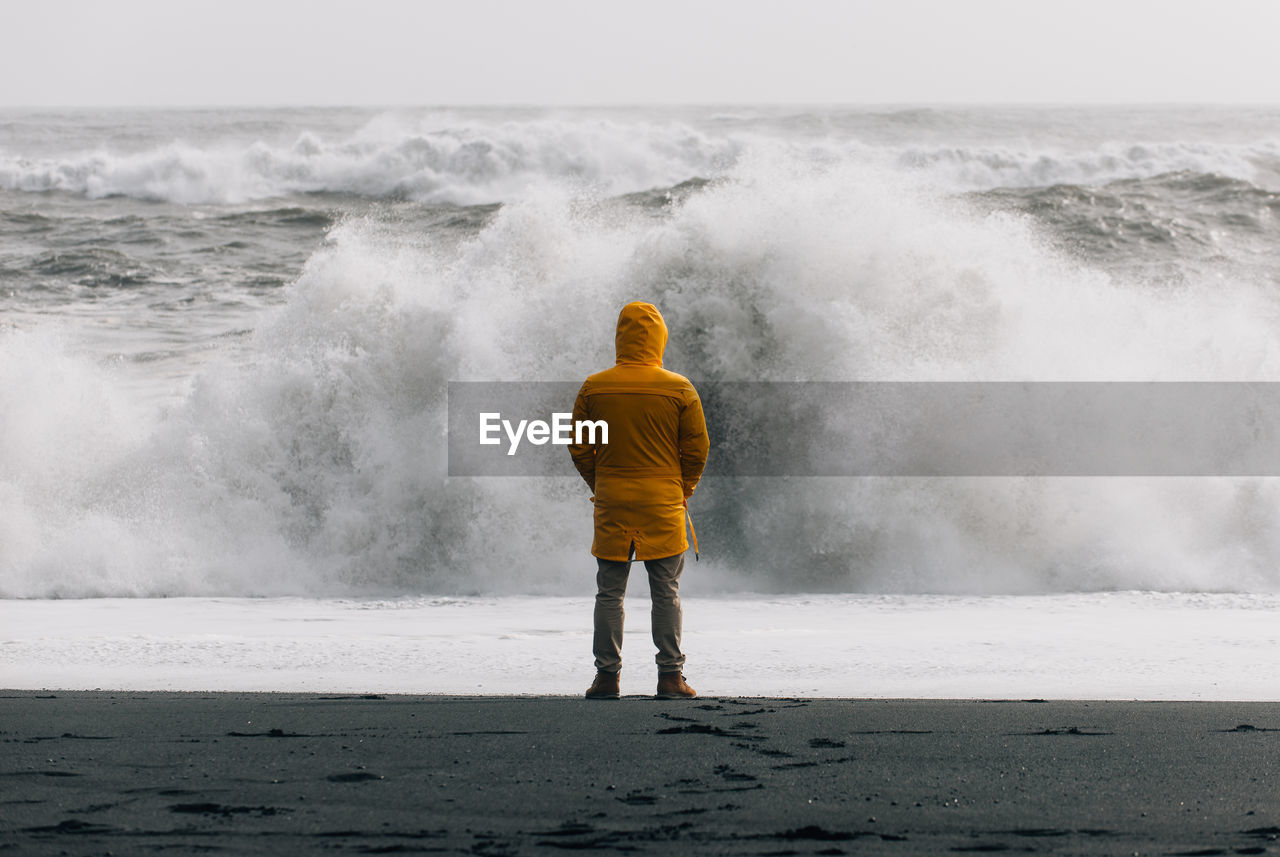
(692, 532)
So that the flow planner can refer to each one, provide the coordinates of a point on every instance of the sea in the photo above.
(227, 335)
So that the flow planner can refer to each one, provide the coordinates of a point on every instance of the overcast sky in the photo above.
(558, 52)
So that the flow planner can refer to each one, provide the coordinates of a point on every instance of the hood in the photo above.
(642, 334)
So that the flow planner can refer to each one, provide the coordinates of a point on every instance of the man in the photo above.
(641, 480)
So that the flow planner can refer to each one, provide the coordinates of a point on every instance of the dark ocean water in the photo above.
(224, 335)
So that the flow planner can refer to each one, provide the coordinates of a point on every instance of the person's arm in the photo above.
(693, 443)
(584, 454)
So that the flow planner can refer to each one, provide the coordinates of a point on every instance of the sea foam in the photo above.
(444, 159)
(387, 158)
(314, 462)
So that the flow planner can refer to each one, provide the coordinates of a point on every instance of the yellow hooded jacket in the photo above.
(657, 444)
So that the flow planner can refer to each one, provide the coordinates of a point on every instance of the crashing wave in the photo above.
(316, 464)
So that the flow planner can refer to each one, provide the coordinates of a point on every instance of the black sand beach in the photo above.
(128, 773)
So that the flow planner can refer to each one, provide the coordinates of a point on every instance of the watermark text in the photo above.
(561, 431)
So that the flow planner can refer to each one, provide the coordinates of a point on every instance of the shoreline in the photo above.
(286, 773)
(1073, 646)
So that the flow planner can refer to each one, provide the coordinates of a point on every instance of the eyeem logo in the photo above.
(538, 432)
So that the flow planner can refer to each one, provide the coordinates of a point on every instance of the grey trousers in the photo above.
(664, 590)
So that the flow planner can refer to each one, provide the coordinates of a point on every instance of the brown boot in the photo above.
(604, 687)
(672, 686)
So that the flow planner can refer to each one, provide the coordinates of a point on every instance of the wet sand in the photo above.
(126, 773)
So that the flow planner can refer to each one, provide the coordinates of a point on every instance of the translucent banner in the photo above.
(906, 428)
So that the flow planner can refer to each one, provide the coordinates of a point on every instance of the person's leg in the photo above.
(611, 586)
(667, 618)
